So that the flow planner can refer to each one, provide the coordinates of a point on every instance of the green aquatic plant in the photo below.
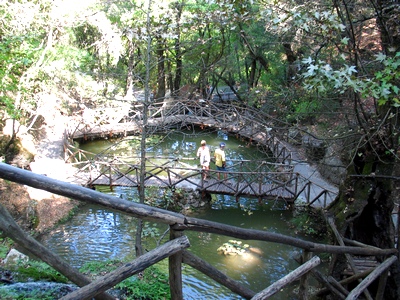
(310, 222)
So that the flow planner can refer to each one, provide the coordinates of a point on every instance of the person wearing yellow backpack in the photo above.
(220, 160)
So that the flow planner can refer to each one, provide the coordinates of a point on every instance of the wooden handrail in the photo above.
(177, 222)
(181, 222)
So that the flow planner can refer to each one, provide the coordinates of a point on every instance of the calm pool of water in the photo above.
(98, 234)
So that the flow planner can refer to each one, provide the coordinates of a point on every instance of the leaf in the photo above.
(345, 41)
(351, 70)
(307, 60)
(382, 102)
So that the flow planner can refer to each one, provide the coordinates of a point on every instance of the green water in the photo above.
(95, 233)
(177, 144)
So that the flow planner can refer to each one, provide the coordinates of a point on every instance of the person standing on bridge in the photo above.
(220, 160)
(204, 154)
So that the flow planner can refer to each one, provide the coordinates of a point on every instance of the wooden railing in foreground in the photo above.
(178, 224)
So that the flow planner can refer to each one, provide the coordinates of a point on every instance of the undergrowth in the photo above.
(33, 270)
(152, 283)
(310, 222)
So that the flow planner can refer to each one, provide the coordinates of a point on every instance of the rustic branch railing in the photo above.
(178, 223)
(169, 173)
(267, 180)
(242, 120)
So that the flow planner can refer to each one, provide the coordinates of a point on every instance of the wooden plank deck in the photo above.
(212, 186)
(362, 264)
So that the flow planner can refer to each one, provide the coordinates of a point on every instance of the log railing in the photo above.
(178, 224)
(267, 180)
(235, 119)
(168, 172)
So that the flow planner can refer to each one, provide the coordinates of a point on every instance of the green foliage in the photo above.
(100, 267)
(36, 270)
(15, 58)
(152, 283)
(4, 247)
(383, 86)
(310, 222)
(304, 109)
(150, 230)
(31, 294)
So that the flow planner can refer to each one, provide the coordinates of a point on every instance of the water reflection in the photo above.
(94, 234)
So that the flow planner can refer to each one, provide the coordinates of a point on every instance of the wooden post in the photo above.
(348, 256)
(308, 192)
(110, 180)
(398, 229)
(175, 269)
(382, 284)
(303, 288)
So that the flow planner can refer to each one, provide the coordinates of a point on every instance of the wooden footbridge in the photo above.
(277, 180)
(269, 181)
(165, 172)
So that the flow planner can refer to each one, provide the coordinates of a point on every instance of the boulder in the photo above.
(13, 257)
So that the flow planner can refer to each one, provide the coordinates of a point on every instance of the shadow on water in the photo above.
(98, 234)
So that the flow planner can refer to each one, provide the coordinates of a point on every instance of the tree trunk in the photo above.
(178, 50)
(365, 203)
(161, 69)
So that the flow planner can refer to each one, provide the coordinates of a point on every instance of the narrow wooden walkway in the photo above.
(282, 191)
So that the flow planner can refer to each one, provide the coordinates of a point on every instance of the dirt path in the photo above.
(36, 209)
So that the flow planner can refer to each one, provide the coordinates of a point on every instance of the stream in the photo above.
(98, 234)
